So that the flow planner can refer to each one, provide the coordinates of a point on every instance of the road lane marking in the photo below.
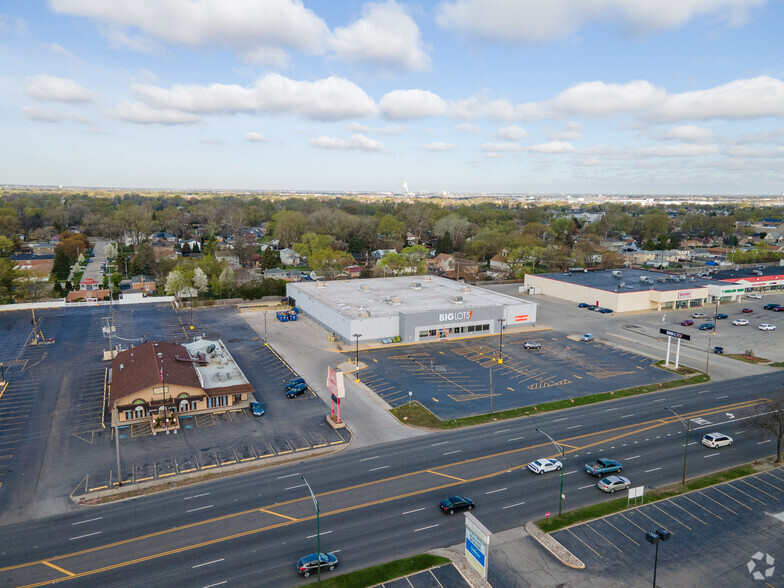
(295, 487)
(573, 427)
(631, 458)
(616, 408)
(378, 468)
(516, 439)
(501, 431)
(196, 496)
(513, 505)
(626, 416)
(710, 455)
(87, 521)
(83, 536)
(422, 529)
(765, 441)
(721, 397)
(676, 406)
(208, 563)
(445, 475)
(217, 584)
(653, 470)
(558, 420)
(441, 443)
(661, 400)
(588, 486)
(58, 568)
(369, 458)
(277, 514)
(413, 511)
(494, 491)
(200, 508)
(572, 472)
(322, 533)
(451, 452)
(287, 476)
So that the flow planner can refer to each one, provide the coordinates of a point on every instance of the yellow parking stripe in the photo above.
(632, 522)
(58, 568)
(687, 512)
(621, 532)
(603, 537)
(769, 484)
(717, 502)
(702, 507)
(747, 494)
(584, 543)
(655, 521)
(671, 516)
(757, 489)
(733, 498)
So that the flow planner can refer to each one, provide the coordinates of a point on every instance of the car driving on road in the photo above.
(612, 483)
(309, 564)
(543, 465)
(454, 503)
(716, 440)
(603, 466)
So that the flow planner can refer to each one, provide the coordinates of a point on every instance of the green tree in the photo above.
(6, 246)
(269, 259)
(288, 226)
(444, 244)
(390, 230)
(61, 267)
(8, 279)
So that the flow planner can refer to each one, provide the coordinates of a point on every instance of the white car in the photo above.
(716, 440)
(541, 466)
(754, 296)
(698, 315)
(767, 327)
(740, 322)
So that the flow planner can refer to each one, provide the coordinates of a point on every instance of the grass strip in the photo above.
(602, 509)
(417, 415)
(384, 572)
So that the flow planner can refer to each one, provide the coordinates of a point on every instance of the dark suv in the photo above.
(771, 306)
(296, 390)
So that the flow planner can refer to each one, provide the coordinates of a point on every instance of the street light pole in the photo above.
(501, 341)
(686, 424)
(357, 336)
(318, 530)
(655, 537)
(563, 460)
(265, 328)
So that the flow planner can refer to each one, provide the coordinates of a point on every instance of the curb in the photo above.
(560, 552)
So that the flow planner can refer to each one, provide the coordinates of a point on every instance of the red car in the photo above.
(746, 310)
(687, 323)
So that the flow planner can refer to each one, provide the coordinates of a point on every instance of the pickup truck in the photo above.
(603, 466)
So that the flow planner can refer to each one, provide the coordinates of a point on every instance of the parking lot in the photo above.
(453, 379)
(715, 534)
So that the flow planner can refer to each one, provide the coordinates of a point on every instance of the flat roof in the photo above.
(387, 297)
(748, 272)
(220, 371)
(630, 278)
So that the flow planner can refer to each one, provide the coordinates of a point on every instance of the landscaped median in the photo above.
(602, 509)
(417, 415)
(384, 572)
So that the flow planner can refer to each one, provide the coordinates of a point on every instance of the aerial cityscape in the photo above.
(458, 293)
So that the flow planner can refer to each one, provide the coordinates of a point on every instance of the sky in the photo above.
(454, 96)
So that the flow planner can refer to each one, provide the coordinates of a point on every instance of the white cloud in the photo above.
(439, 146)
(143, 114)
(689, 133)
(469, 128)
(480, 107)
(511, 133)
(501, 147)
(59, 49)
(753, 152)
(119, 39)
(255, 138)
(553, 147)
(356, 142)
(59, 89)
(331, 98)
(360, 128)
(243, 26)
(385, 36)
(12, 24)
(407, 104)
(534, 20)
(599, 99)
(43, 114)
(676, 150)
(573, 130)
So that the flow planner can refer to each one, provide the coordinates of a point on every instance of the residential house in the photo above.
(353, 271)
(499, 267)
(379, 253)
(411, 238)
(143, 283)
(281, 274)
(228, 255)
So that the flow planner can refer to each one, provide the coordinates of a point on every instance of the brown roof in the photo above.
(82, 294)
(141, 369)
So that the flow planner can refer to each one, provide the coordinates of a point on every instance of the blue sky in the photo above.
(514, 96)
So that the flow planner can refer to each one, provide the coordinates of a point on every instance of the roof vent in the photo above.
(365, 287)
(456, 300)
(321, 285)
(364, 314)
(465, 289)
(416, 285)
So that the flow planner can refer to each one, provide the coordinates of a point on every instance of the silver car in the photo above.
(612, 483)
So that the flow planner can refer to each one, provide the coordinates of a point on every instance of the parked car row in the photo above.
(594, 308)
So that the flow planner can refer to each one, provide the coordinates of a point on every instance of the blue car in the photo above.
(722, 316)
(256, 409)
(706, 326)
(604, 310)
(291, 383)
(296, 390)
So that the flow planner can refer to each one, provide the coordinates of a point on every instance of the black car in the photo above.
(296, 390)
(453, 503)
(309, 564)
(718, 350)
(706, 326)
(291, 383)
(771, 306)
(604, 310)
(722, 316)
(583, 305)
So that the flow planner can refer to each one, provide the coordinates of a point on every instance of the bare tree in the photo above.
(771, 420)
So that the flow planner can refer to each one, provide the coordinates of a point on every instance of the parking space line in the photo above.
(677, 520)
(771, 472)
(758, 489)
(655, 521)
(605, 519)
(732, 498)
(701, 493)
(773, 485)
(702, 507)
(632, 522)
(687, 512)
(729, 484)
(603, 537)
(584, 543)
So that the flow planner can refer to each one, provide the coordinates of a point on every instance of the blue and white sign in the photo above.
(477, 544)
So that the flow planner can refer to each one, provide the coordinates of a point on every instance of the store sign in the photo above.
(520, 318)
(684, 294)
(455, 316)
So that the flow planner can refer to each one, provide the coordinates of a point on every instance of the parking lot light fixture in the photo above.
(686, 424)
(656, 537)
(501, 341)
(357, 336)
(563, 464)
(318, 530)
(2, 372)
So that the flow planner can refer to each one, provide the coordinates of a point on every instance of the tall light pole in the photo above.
(163, 384)
(357, 336)
(563, 460)
(501, 341)
(318, 529)
(686, 424)
(655, 537)
(2, 372)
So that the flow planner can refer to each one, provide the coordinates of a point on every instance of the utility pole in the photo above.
(116, 416)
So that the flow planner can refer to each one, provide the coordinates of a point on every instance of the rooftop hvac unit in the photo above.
(364, 314)
(416, 285)
(465, 289)
(427, 278)
(365, 287)
(456, 300)
(321, 285)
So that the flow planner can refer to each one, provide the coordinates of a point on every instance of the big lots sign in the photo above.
(455, 316)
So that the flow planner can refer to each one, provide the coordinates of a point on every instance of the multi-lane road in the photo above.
(380, 503)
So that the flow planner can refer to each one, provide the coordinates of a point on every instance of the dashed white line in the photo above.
(711, 455)
(208, 563)
(494, 491)
(217, 584)
(196, 496)
(573, 427)
(451, 452)
(631, 458)
(378, 468)
(653, 470)
(588, 486)
(441, 443)
(626, 416)
(563, 419)
(721, 397)
(294, 487)
(676, 406)
(572, 472)
(501, 431)
(322, 533)
(87, 521)
(288, 476)
(516, 439)
(513, 505)
(369, 458)
(83, 536)
(609, 409)
(413, 511)
(660, 400)
(200, 508)
(422, 529)
(765, 441)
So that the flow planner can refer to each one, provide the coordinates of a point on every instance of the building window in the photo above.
(194, 404)
(128, 415)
